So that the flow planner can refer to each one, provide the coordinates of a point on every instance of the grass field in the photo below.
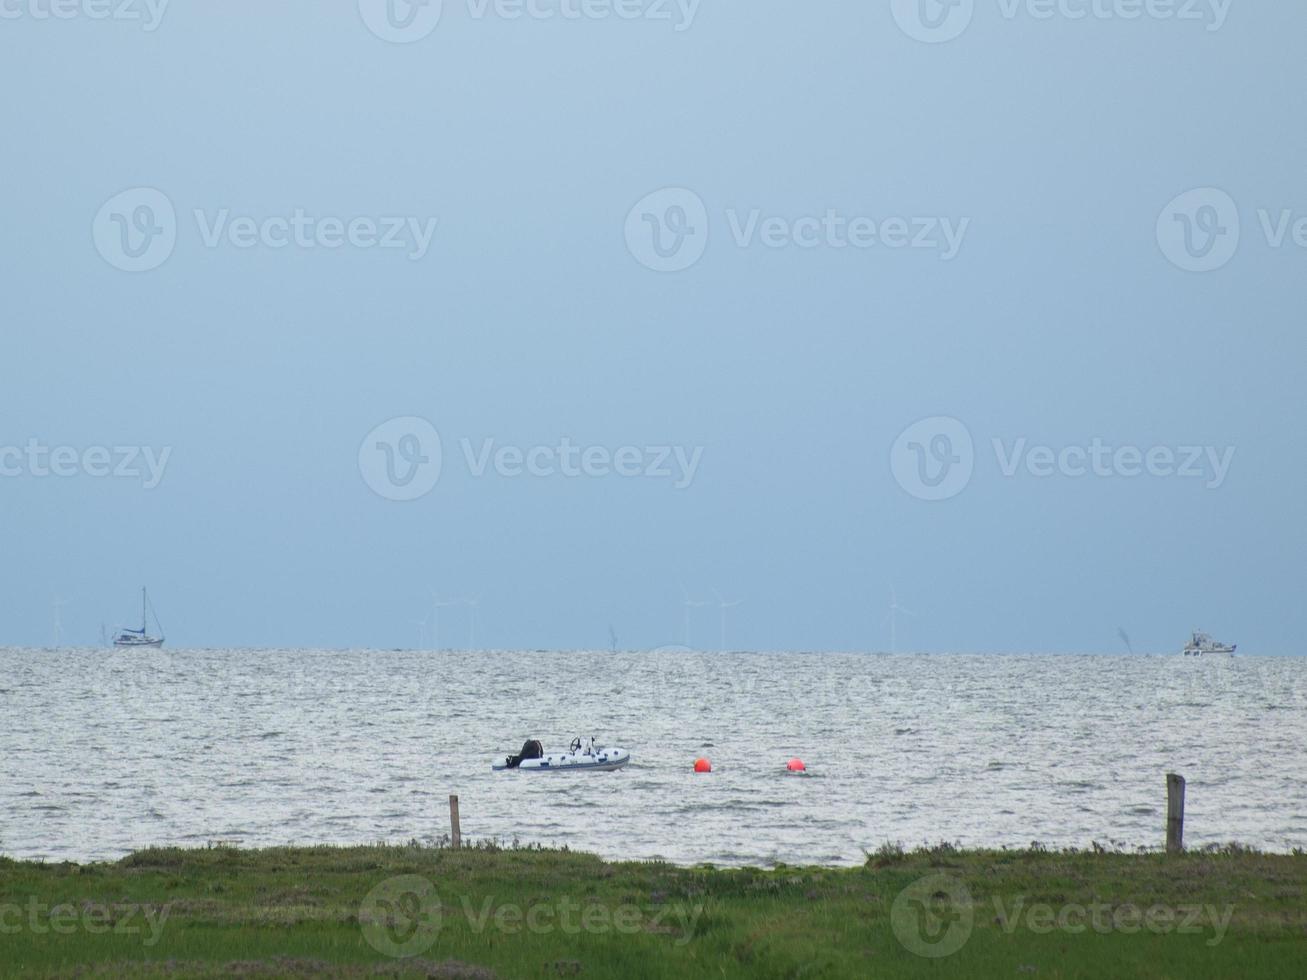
(410, 911)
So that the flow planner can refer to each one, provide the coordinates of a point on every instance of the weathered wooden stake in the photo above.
(455, 835)
(1174, 813)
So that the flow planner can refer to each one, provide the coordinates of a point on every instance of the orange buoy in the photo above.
(796, 765)
(702, 765)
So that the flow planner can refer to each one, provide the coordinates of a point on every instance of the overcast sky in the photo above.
(795, 302)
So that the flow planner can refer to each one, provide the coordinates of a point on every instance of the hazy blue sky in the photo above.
(1064, 311)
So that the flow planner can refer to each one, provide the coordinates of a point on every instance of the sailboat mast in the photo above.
(144, 622)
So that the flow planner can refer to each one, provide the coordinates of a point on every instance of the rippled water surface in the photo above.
(108, 751)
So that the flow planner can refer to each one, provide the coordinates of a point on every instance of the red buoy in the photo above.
(796, 765)
(702, 765)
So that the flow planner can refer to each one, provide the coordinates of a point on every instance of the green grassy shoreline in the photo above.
(483, 912)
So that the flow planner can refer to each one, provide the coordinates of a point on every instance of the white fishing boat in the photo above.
(581, 756)
(141, 638)
(1202, 645)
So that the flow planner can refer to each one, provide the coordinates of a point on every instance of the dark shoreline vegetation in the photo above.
(490, 910)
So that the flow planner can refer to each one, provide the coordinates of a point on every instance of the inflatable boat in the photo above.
(580, 757)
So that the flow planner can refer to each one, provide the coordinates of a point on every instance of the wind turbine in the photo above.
(471, 621)
(893, 619)
(689, 604)
(58, 620)
(722, 606)
(421, 624)
(438, 604)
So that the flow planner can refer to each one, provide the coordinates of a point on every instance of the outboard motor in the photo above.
(531, 749)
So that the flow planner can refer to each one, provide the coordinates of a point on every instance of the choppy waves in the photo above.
(107, 751)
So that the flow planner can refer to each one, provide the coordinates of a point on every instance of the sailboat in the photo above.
(141, 637)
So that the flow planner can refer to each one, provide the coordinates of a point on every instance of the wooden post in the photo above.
(1174, 813)
(455, 835)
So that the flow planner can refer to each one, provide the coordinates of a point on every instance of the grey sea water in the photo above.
(105, 751)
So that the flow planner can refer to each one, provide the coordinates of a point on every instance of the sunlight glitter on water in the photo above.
(108, 751)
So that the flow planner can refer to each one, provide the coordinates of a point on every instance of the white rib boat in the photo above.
(580, 757)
